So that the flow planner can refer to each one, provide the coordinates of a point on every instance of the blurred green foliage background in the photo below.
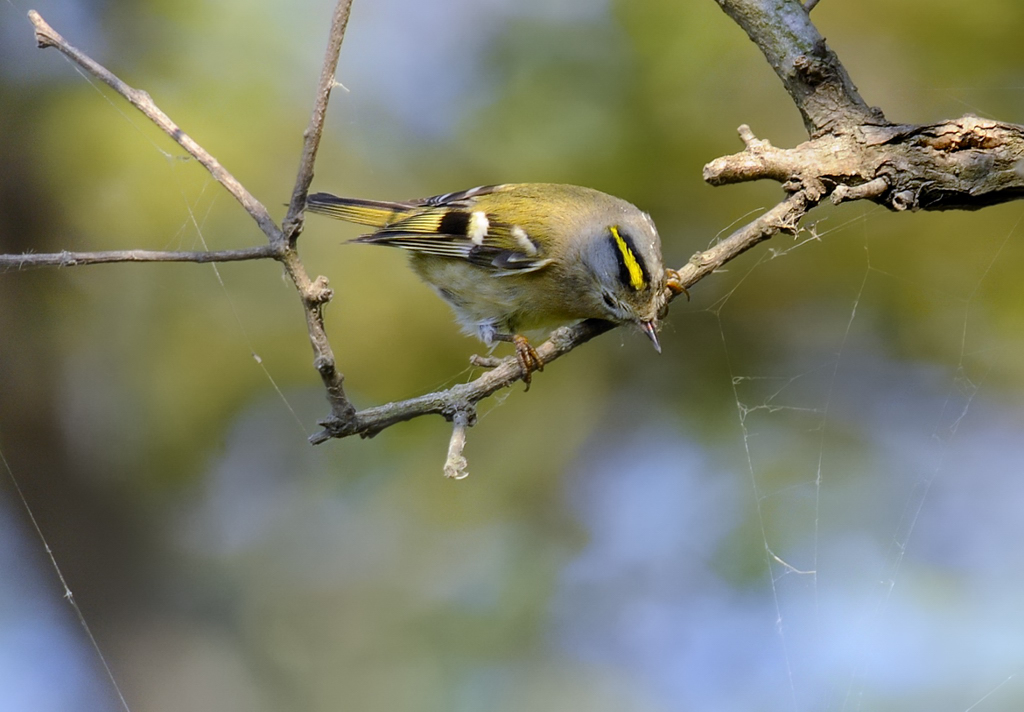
(808, 501)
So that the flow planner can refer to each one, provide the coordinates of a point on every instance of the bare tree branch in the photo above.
(76, 259)
(964, 163)
(810, 71)
(316, 293)
(46, 36)
(455, 464)
(293, 221)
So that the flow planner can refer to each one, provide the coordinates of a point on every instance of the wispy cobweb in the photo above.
(850, 454)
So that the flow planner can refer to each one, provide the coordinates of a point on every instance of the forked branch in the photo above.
(315, 293)
(46, 36)
(854, 152)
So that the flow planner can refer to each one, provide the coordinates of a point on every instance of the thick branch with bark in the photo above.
(810, 71)
(963, 164)
(854, 152)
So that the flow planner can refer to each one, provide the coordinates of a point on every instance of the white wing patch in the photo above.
(523, 241)
(478, 226)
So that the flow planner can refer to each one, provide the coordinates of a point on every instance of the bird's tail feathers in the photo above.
(375, 213)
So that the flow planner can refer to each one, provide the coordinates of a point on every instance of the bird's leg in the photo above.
(675, 284)
(529, 361)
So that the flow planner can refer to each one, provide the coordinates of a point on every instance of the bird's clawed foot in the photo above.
(675, 284)
(529, 360)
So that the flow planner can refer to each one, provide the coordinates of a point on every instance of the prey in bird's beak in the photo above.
(651, 330)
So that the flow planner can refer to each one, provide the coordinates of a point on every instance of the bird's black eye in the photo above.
(608, 300)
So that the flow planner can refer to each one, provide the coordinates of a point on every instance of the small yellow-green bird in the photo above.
(523, 256)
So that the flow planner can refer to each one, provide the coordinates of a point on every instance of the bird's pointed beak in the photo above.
(652, 333)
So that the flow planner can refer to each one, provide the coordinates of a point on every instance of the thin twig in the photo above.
(810, 5)
(46, 36)
(455, 465)
(784, 217)
(316, 293)
(872, 189)
(292, 222)
(77, 259)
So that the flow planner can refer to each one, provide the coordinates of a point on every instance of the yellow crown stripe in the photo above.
(636, 273)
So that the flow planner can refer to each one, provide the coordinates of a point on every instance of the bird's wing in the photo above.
(460, 226)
